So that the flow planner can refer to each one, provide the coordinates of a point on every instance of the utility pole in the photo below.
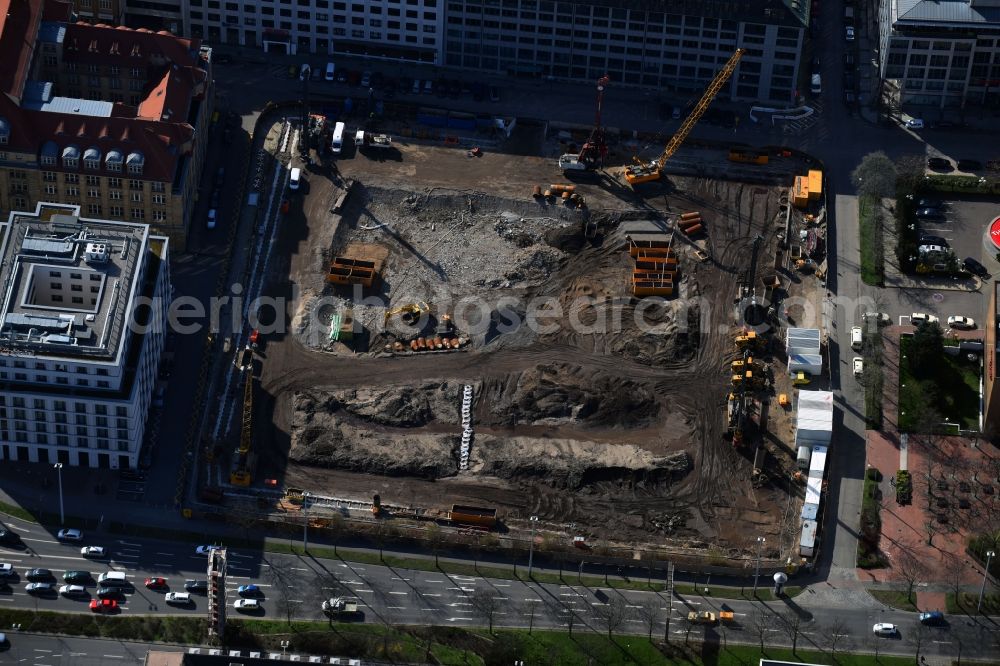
(990, 554)
(531, 545)
(756, 571)
(62, 513)
(305, 526)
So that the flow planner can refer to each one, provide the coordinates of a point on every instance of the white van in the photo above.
(295, 178)
(856, 338)
(816, 85)
(416, 86)
(330, 69)
(113, 578)
(337, 143)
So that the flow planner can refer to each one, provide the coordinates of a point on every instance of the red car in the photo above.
(103, 605)
(156, 583)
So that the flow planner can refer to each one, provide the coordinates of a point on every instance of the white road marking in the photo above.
(160, 564)
(298, 569)
(501, 598)
(41, 650)
(113, 656)
(534, 601)
(431, 609)
(433, 581)
(127, 543)
(501, 584)
(167, 554)
(431, 595)
(401, 593)
(398, 578)
(364, 591)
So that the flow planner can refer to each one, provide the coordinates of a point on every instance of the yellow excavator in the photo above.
(411, 312)
(645, 172)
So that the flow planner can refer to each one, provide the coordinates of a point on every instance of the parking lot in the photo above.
(963, 225)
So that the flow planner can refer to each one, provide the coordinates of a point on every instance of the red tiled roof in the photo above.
(171, 97)
(19, 20)
(161, 143)
(100, 44)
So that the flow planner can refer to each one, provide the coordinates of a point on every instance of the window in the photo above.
(117, 212)
(157, 186)
(93, 193)
(137, 197)
(159, 216)
(48, 160)
(72, 191)
(115, 183)
(94, 210)
(50, 189)
(138, 214)
(71, 178)
(49, 176)
(135, 184)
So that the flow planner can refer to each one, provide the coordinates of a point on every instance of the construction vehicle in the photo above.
(241, 473)
(701, 617)
(411, 312)
(365, 139)
(341, 606)
(595, 150)
(727, 616)
(748, 155)
(318, 133)
(749, 341)
(642, 172)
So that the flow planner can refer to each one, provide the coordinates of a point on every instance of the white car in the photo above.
(849, 33)
(859, 366)
(918, 318)
(915, 123)
(71, 534)
(205, 550)
(92, 551)
(6, 569)
(884, 629)
(72, 590)
(180, 598)
(246, 604)
(881, 318)
(958, 321)
(211, 218)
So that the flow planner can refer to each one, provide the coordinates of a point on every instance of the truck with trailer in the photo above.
(341, 607)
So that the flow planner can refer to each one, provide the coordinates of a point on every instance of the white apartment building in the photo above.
(941, 52)
(83, 307)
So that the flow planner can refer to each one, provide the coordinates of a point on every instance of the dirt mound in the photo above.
(552, 394)
(565, 463)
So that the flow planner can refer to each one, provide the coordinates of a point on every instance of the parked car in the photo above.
(36, 575)
(205, 550)
(108, 593)
(849, 61)
(915, 123)
(931, 249)
(849, 33)
(211, 218)
(858, 364)
(918, 318)
(933, 618)
(969, 165)
(930, 203)
(103, 605)
(929, 214)
(850, 81)
(942, 124)
(246, 604)
(341, 76)
(70, 534)
(77, 577)
(6, 569)
(965, 323)
(92, 551)
(815, 65)
(178, 598)
(250, 590)
(975, 267)
(939, 163)
(9, 537)
(366, 79)
(926, 239)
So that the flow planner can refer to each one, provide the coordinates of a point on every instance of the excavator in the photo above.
(411, 312)
(645, 172)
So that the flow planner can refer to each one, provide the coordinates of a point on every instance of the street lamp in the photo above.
(305, 526)
(284, 646)
(756, 571)
(62, 514)
(990, 554)
(531, 545)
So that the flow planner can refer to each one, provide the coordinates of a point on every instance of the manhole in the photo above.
(937, 297)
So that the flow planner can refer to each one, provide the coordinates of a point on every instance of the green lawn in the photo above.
(966, 602)
(956, 388)
(872, 247)
(869, 554)
(895, 598)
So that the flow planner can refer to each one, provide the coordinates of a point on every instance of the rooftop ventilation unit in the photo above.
(97, 253)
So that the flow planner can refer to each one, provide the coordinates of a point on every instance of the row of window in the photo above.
(316, 4)
(68, 162)
(41, 418)
(95, 181)
(357, 12)
(95, 193)
(64, 440)
(60, 406)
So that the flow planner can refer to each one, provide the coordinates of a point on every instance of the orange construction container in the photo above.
(688, 216)
(691, 231)
(684, 224)
(455, 343)
(413, 345)
(537, 192)
(421, 344)
(556, 187)
(438, 344)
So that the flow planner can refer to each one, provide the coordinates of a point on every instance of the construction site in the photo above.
(601, 345)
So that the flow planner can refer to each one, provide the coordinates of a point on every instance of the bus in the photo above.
(337, 143)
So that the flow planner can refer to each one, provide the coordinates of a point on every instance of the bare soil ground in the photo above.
(592, 421)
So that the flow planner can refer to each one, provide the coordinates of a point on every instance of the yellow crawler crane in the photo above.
(240, 476)
(643, 172)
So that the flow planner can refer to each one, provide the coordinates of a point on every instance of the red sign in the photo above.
(995, 232)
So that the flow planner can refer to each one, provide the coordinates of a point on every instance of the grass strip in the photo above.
(894, 598)
(872, 248)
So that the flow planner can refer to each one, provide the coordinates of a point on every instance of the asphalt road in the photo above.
(42, 650)
(295, 586)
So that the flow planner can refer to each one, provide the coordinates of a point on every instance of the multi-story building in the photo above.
(674, 46)
(111, 11)
(941, 52)
(83, 306)
(113, 119)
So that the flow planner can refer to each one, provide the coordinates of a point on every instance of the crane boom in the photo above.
(642, 172)
(240, 476)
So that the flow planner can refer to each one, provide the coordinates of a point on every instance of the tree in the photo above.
(530, 609)
(486, 604)
(613, 613)
(876, 176)
(792, 624)
(335, 526)
(954, 574)
(910, 170)
(760, 625)
(433, 535)
(649, 613)
(926, 349)
(919, 637)
(837, 635)
(911, 570)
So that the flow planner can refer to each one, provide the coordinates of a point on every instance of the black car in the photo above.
(494, 94)
(926, 239)
(939, 163)
(109, 593)
(849, 61)
(199, 586)
(341, 76)
(970, 165)
(975, 267)
(929, 214)
(39, 575)
(942, 124)
(930, 203)
(8, 537)
(222, 58)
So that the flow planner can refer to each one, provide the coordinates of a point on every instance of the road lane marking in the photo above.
(167, 554)
(398, 578)
(431, 595)
(433, 581)
(129, 543)
(113, 656)
(42, 650)
(534, 601)
(501, 584)
(396, 607)
(160, 564)
(402, 593)
(364, 591)
(298, 569)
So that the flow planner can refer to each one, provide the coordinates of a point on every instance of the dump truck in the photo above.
(703, 617)
(372, 140)
(342, 606)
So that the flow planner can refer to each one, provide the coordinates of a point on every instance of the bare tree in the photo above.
(530, 608)
(649, 613)
(613, 613)
(760, 625)
(433, 535)
(919, 637)
(837, 635)
(792, 624)
(911, 570)
(876, 176)
(486, 604)
(281, 583)
(954, 574)
(335, 526)
(875, 642)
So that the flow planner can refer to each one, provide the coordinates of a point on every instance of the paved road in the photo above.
(42, 650)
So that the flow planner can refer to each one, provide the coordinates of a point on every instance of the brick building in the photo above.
(111, 119)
